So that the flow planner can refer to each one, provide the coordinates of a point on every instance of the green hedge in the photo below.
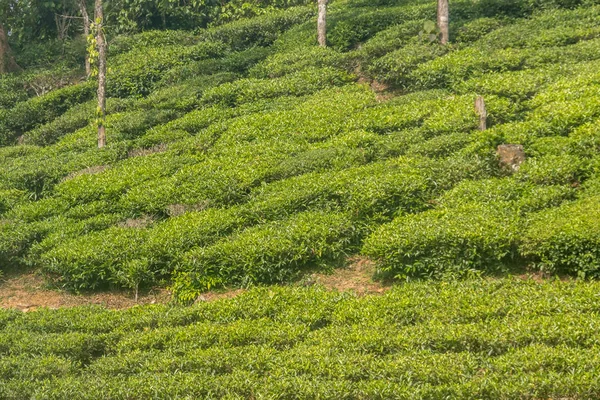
(137, 72)
(298, 59)
(359, 25)
(307, 81)
(75, 118)
(40, 110)
(274, 252)
(477, 226)
(565, 240)
(459, 240)
(259, 31)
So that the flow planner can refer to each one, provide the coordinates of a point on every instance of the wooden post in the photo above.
(482, 112)
(101, 43)
(443, 19)
(322, 23)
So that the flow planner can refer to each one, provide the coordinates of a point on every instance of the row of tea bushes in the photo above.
(504, 338)
(492, 225)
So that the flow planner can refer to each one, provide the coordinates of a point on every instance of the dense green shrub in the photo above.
(77, 117)
(12, 90)
(110, 183)
(565, 239)
(153, 38)
(440, 146)
(554, 169)
(477, 28)
(515, 85)
(39, 110)
(475, 227)
(88, 266)
(242, 126)
(63, 229)
(300, 83)
(458, 240)
(363, 24)
(395, 67)
(9, 198)
(260, 31)
(389, 40)
(375, 191)
(40, 169)
(134, 124)
(267, 253)
(231, 65)
(137, 72)
(280, 64)
(158, 247)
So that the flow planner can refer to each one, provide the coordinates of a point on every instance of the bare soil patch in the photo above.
(356, 277)
(28, 292)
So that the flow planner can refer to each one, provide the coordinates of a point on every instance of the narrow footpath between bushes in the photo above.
(28, 292)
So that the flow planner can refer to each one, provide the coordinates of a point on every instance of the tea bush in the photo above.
(455, 241)
(554, 169)
(565, 239)
(362, 24)
(259, 31)
(274, 252)
(12, 91)
(137, 72)
(301, 83)
(231, 65)
(39, 110)
(76, 118)
(280, 64)
(477, 225)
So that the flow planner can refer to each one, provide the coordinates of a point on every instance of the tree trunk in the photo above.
(7, 62)
(101, 43)
(322, 23)
(443, 19)
(86, 32)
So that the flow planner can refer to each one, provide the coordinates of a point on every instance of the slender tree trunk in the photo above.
(101, 43)
(322, 23)
(7, 61)
(86, 32)
(443, 19)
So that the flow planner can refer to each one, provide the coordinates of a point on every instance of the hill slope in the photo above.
(245, 154)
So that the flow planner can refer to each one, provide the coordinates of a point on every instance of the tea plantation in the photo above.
(488, 339)
(242, 155)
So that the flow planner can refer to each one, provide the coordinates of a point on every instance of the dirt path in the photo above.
(29, 291)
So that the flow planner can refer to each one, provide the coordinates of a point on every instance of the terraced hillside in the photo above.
(244, 153)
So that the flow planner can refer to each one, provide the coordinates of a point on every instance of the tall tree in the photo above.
(101, 44)
(443, 19)
(322, 23)
(86, 32)
(7, 61)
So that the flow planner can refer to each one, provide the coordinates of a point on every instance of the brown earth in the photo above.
(356, 277)
(29, 291)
